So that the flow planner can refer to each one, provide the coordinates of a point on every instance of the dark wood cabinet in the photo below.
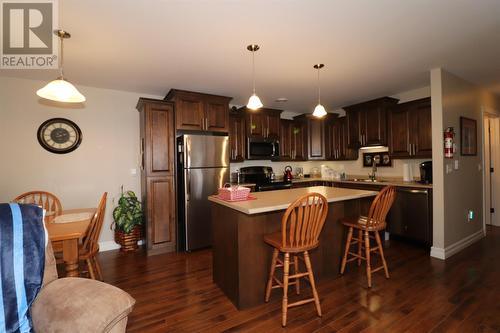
(336, 140)
(237, 137)
(286, 128)
(299, 140)
(410, 130)
(262, 123)
(367, 122)
(160, 212)
(157, 131)
(293, 140)
(314, 134)
(200, 112)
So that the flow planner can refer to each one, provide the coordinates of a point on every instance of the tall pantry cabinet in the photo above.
(157, 128)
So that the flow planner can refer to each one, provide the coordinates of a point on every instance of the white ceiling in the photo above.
(370, 48)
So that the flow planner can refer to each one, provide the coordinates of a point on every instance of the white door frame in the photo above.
(490, 192)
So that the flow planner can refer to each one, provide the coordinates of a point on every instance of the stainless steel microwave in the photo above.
(262, 149)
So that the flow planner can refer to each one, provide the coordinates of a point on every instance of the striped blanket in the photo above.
(22, 262)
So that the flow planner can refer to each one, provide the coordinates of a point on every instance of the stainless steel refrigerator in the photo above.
(203, 167)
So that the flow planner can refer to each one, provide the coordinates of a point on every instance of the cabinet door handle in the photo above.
(409, 149)
(142, 154)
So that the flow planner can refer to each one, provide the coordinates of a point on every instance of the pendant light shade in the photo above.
(60, 89)
(254, 102)
(319, 110)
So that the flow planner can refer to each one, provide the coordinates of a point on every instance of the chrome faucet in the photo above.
(373, 175)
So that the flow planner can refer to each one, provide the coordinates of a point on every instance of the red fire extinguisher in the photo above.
(448, 142)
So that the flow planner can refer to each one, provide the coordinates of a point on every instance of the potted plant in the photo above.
(128, 218)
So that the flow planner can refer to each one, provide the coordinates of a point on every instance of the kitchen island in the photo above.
(241, 259)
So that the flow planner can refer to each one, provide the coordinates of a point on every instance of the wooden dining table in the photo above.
(68, 233)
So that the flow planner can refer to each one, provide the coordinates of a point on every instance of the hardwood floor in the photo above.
(175, 293)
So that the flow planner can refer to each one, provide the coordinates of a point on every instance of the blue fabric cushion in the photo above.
(22, 262)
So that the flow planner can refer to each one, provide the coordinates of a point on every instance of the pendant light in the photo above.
(319, 110)
(254, 102)
(60, 89)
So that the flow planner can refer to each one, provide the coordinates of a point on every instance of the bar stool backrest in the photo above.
(380, 206)
(303, 221)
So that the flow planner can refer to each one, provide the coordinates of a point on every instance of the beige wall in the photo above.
(103, 162)
(459, 190)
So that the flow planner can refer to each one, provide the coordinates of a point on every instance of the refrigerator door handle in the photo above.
(188, 185)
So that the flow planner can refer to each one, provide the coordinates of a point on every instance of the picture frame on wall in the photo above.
(468, 137)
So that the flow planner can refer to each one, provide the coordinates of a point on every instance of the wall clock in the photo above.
(59, 135)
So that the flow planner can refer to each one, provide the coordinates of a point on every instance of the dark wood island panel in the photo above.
(241, 259)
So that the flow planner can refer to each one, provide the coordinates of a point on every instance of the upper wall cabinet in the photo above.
(293, 140)
(410, 130)
(367, 122)
(200, 112)
(336, 140)
(315, 136)
(262, 123)
(237, 136)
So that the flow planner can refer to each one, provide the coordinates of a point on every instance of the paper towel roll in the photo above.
(406, 172)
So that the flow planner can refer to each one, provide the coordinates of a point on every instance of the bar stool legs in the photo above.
(363, 240)
(295, 277)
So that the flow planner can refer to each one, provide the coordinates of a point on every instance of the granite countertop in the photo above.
(383, 182)
(279, 200)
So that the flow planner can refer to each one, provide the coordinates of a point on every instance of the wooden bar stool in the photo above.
(300, 228)
(374, 222)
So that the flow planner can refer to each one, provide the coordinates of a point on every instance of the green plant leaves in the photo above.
(128, 213)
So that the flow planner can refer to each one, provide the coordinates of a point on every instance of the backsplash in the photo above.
(349, 167)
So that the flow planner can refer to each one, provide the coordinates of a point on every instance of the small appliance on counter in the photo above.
(287, 176)
(299, 172)
(261, 176)
(426, 172)
(315, 173)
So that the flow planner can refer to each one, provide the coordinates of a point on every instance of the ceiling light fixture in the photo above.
(60, 89)
(254, 102)
(319, 110)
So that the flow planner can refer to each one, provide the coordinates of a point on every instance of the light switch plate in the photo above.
(455, 165)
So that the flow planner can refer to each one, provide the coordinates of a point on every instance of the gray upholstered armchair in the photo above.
(78, 305)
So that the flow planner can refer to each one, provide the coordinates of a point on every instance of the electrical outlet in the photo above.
(470, 215)
(455, 165)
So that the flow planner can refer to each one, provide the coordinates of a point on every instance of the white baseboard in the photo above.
(111, 245)
(443, 254)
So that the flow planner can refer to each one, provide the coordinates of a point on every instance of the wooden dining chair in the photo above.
(301, 226)
(89, 248)
(46, 200)
(373, 223)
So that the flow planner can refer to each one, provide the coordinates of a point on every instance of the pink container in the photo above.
(234, 193)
